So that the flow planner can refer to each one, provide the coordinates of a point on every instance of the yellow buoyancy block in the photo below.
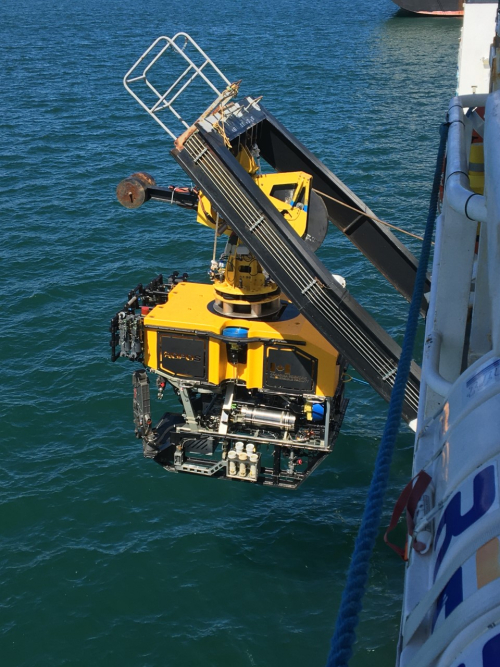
(183, 339)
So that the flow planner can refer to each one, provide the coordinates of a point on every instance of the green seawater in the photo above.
(104, 558)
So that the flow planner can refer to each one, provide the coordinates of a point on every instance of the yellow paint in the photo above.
(476, 174)
(187, 309)
(293, 213)
(245, 158)
(243, 276)
(292, 209)
(488, 562)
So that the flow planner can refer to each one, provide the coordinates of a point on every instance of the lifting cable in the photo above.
(351, 604)
(372, 217)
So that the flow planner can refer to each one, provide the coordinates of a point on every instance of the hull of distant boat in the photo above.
(432, 7)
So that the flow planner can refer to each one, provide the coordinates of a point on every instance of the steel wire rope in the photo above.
(389, 362)
(411, 392)
(382, 359)
(368, 215)
(387, 371)
(246, 207)
(351, 604)
(335, 315)
(386, 363)
(243, 207)
(379, 362)
(371, 353)
(236, 195)
(269, 238)
(216, 229)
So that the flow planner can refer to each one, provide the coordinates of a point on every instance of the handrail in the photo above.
(190, 73)
(433, 378)
(458, 193)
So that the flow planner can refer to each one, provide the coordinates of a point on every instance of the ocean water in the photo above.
(104, 558)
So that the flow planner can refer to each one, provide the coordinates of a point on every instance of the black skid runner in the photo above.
(296, 269)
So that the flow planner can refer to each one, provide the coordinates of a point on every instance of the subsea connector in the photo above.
(161, 383)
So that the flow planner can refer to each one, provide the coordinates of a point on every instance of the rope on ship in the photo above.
(352, 597)
(369, 215)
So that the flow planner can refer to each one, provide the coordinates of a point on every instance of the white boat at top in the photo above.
(451, 608)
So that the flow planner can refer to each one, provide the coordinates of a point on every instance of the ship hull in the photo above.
(432, 7)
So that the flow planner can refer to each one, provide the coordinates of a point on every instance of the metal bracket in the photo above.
(188, 409)
(226, 409)
(201, 469)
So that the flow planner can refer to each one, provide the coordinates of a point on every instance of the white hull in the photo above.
(451, 610)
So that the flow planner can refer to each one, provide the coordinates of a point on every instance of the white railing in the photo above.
(187, 63)
(452, 272)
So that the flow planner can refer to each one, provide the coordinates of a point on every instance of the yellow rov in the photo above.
(257, 359)
(261, 390)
